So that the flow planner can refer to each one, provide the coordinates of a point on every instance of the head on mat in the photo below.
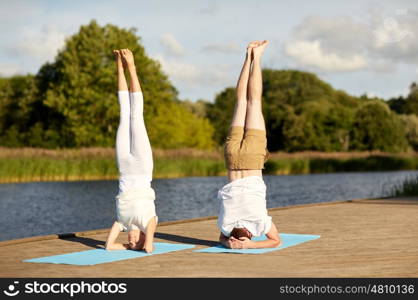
(136, 239)
(239, 233)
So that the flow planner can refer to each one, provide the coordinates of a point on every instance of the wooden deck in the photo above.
(360, 238)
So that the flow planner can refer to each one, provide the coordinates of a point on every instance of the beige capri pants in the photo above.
(245, 149)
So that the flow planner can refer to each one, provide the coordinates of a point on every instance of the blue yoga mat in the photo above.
(288, 240)
(100, 256)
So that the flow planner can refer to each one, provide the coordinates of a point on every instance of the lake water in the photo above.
(40, 208)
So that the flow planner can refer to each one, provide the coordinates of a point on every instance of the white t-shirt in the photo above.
(243, 205)
(134, 208)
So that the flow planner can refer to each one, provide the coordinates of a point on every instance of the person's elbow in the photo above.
(224, 243)
(109, 246)
(276, 243)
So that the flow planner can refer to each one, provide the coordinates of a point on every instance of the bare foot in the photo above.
(118, 57)
(250, 48)
(127, 57)
(258, 51)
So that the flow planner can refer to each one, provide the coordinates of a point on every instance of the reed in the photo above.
(33, 164)
(407, 188)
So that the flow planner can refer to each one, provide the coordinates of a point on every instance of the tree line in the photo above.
(71, 102)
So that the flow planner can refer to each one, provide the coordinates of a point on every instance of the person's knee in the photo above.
(253, 99)
(124, 160)
(254, 105)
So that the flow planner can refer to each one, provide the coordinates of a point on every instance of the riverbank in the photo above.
(359, 238)
(33, 164)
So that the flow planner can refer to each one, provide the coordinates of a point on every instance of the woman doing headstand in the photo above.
(135, 206)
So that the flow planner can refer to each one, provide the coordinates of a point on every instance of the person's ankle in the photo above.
(131, 67)
(257, 57)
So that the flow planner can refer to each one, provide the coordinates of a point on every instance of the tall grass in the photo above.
(32, 164)
(186, 167)
(51, 169)
(330, 165)
(407, 188)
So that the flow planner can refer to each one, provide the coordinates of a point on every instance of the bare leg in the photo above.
(254, 117)
(122, 85)
(240, 109)
(140, 144)
(123, 133)
(128, 57)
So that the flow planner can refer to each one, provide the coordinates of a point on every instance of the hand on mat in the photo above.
(244, 243)
(237, 244)
(230, 243)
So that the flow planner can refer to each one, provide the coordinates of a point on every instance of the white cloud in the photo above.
(334, 44)
(41, 45)
(390, 31)
(179, 70)
(173, 47)
(311, 54)
(192, 75)
(396, 37)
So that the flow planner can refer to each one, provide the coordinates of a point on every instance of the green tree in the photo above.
(220, 113)
(411, 125)
(198, 108)
(398, 105)
(320, 125)
(376, 127)
(408, 105)
(182, 130)
(17, 109)
(411, 103)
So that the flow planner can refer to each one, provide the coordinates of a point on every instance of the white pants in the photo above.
(133, 149)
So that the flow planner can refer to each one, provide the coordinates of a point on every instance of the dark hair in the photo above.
(241, 232)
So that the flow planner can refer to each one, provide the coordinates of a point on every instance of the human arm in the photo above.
(224, 240)
(272, 241)
(111, 239)
(229, 242)
(149, 236)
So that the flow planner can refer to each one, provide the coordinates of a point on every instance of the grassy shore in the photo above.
(32, 164)
(407, 188)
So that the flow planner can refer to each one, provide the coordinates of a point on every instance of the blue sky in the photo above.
(357, 46)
